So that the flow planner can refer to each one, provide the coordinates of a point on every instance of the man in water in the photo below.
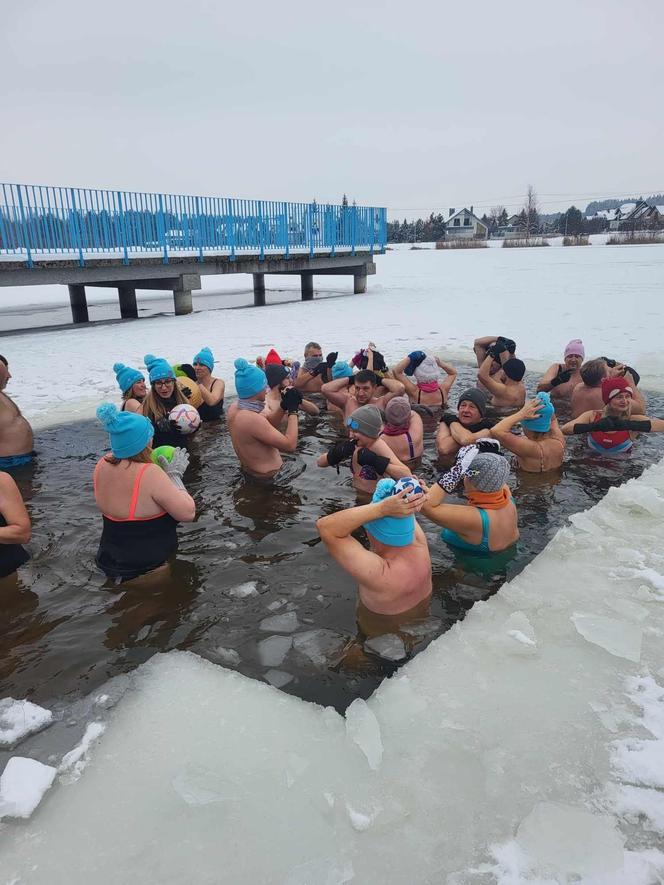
(365, 391)
(394, 574)
(307, 379)
(257, 443)
(560, 379)
(279, 381)
(506, 387)
(467, 426)
(587, 394)
(16, 438)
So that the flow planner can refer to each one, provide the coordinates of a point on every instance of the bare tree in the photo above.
(530, 212)
(496, 215)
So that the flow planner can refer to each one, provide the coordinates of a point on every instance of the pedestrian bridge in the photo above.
(128, 240)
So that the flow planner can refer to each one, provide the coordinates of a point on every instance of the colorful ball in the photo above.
(186, 417)
(409, 484)
(166, 451)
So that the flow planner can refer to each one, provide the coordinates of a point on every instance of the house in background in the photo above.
(511, 230)
(638, 216)
(464, 224)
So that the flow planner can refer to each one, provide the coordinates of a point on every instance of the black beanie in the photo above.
(514, 369)
(275, 374)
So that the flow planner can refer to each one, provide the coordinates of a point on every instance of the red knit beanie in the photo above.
(273, 358)
(613, 386)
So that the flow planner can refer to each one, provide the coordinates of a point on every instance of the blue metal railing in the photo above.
(38, 222)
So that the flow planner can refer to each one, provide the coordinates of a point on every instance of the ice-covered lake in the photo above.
(526, 744)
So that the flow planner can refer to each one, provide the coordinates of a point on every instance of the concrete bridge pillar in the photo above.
(182, 293)
(307, 285)
(79, 304)
(128, 306)
(360, 282)
(259, 289)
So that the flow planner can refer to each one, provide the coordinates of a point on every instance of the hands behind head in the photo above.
(401, 505)
(532, 409)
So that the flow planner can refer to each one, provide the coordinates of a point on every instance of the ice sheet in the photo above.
(22, 785)
(485, 752)
(491, 283)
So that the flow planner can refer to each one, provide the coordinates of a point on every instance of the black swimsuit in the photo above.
(211, 413)
(133, 546)
(12, 556)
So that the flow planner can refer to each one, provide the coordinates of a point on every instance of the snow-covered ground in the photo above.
(526, 745)
(609, 296)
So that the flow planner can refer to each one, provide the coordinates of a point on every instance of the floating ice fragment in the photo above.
(389, 646)
(273, 650)
(277, 603)
(22, 785)
(278, 678)
(75, 760)
(320, 646)
(362, 727)
(360, 820)
(286, 623)
(19, 719)
(244, 590)
(423, 629)
(227, 655)
(568, 840)
(617, 637)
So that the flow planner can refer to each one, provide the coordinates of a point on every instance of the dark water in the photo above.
(65, 632)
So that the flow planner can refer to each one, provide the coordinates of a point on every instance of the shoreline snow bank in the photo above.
(485, 755)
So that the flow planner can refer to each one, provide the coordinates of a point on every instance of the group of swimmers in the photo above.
(381, 438)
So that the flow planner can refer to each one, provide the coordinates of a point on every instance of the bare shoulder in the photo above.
(7, 485)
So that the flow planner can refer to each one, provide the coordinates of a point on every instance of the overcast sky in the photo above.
(422, 105)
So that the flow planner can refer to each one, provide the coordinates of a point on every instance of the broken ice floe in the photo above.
(619, 638)
(273, 650)
(22, 786)
(18, 719)
(286, 623)
(389, 647)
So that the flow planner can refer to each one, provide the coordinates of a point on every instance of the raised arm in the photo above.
(546, 379)
(484, 375)
(583, 418)
(18, 529)
(447, 383)
(458, 517)
(168, 491)
(336, 392)
(400, 375)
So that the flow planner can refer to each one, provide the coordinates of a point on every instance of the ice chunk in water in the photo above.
(567, 840)
(22, 785)
(617, 637)
(244, 590)
(278, 678)
(320, 646)
(273, 650)
(423, 629)
(19, 719)
(286, 623)
(227, 655)
(390, 647)
(362, 727)
(360, 820)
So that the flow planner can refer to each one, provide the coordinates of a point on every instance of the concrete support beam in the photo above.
(259, 289)
(79, 304)
(360, 283)
(183, 301)
(307, 284)
(128, 306)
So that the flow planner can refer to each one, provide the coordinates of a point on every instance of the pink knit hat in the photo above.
(575, 348)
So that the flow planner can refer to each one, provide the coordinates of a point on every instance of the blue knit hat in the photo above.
(126, 376)
(249, 380)
(341, 370)
(204, 357)
(129, 433)
(158, 368)
(395, 531)
(543, 421)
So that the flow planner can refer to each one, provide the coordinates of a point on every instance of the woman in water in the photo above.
(430, 389)
(613, 430)
(132, 384)
(211, 388)
(488, 522)
(14, 529)
(141, 502)
(164, 395)
(542, 446)
(403, 430)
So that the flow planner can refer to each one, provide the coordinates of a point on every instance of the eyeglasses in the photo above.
(164, 382)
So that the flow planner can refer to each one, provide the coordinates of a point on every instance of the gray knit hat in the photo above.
(475, 396)
(488, 473)
(366, 420)
(397, 411)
